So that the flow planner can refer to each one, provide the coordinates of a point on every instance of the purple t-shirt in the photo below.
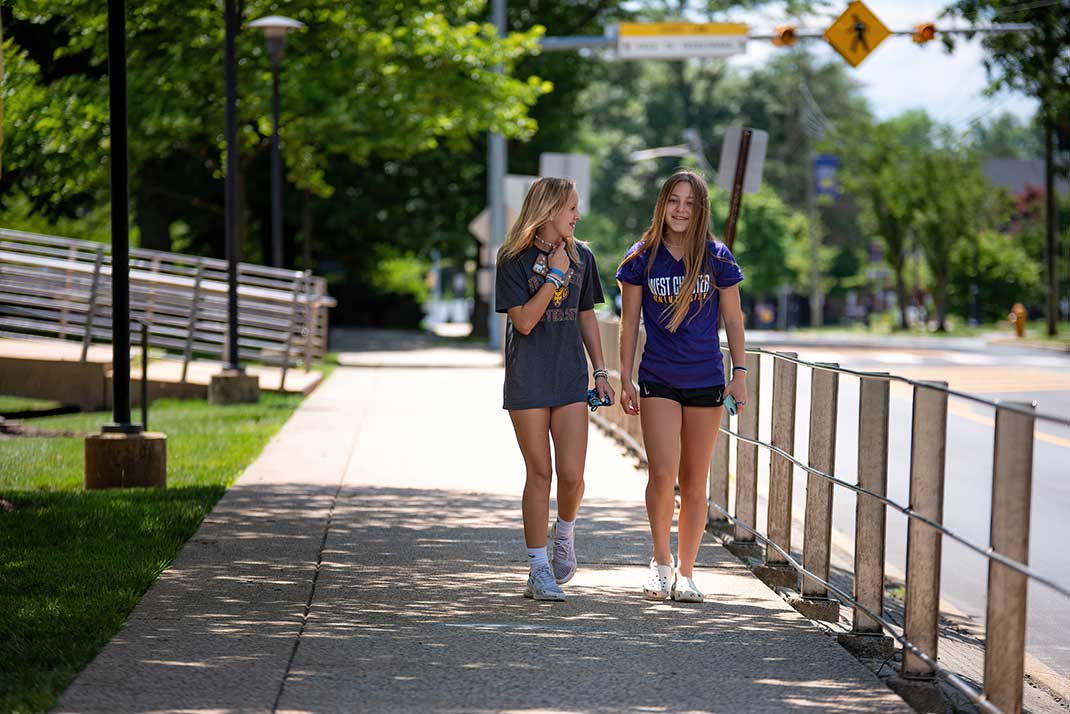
(691, 356)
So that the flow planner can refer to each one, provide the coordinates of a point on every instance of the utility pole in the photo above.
(496, 168)
(1049, 210)
(813, 126)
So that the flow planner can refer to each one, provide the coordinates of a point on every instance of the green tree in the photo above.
(364, 78)
(952, 208)
(880, 172)
(1005, 136)
(997, 266)
(1033, 61)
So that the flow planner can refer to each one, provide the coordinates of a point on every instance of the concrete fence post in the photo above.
(867, 636)
(1012, 485)
(719, 468)
(743, 542)
(817, 534)
(927, 455)
(776, 570)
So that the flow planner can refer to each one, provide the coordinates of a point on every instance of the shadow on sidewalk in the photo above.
(417, 607)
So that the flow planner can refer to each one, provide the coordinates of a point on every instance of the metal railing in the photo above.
(61, 288)
(1007, 552)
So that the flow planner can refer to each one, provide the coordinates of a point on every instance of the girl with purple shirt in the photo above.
(680, 279)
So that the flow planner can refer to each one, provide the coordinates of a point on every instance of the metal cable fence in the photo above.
(1007, 552)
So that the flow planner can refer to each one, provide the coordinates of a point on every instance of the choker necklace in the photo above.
(540, 243)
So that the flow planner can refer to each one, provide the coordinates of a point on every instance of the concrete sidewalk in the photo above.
(372, 561)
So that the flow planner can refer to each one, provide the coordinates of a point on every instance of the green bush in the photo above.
(1002, 270)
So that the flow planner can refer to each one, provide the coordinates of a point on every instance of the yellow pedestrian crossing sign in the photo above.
(856, 33)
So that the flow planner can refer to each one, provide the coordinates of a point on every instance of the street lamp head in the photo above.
(275, 29)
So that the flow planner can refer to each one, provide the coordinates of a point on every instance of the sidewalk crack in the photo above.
(319, 565)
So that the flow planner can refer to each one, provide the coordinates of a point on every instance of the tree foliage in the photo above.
(363, 79)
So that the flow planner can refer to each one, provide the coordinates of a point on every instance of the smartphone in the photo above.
(730, 404)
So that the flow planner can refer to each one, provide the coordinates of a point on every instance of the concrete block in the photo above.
(872, 645)
(116, 460)
(777, 576)
(923, 695)
(748, 551)
(64, 381)
(823, 609)
(233, 387)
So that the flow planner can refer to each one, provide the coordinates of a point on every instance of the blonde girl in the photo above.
(548, 284)
(680, 279)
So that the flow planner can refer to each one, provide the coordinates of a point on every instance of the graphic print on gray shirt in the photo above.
(546, 368)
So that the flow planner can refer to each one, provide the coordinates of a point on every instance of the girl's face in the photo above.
(564, 221)
(678, 208)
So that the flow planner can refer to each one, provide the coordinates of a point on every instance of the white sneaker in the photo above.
(685, 590)
(563, 562)
(541, 585)
(659, 579)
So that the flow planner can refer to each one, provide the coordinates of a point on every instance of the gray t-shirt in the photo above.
(546, 368)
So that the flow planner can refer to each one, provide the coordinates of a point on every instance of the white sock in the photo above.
(564, 529)
(537, 557)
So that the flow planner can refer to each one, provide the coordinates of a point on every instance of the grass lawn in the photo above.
(74, 563)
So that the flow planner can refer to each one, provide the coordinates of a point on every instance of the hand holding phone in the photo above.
(730, 404)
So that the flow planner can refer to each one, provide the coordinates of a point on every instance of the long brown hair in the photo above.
(696, 242)
(545, 198)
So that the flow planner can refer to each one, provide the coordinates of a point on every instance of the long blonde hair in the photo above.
(696, 242)
(545, 198)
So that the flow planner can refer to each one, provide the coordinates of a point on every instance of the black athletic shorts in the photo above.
(696, 397)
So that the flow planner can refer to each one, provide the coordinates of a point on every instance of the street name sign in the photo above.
(680, 40)
(856, 33)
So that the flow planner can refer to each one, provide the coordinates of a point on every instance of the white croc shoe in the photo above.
(659, 580)
(685, 590)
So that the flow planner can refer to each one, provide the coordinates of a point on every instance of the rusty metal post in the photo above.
(867, 636)
(747, 455)
(719, 470)
(1012, 485)
(817, 534)
(94, 292)
(777, 571)
(191, 323)
(927, 454)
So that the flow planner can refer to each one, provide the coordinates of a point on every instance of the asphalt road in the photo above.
(1002, 373)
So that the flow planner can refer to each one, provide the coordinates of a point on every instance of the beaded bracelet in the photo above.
(604, 373)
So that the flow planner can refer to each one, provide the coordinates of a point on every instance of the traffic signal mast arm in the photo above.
(921, 29)
(780, 36)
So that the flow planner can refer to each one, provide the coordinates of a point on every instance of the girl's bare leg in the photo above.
(698, 434)
(532, 427)
(661, 420)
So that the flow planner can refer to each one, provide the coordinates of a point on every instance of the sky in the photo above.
(900, 75)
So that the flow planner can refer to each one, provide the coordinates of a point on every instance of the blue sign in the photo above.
(825, 176)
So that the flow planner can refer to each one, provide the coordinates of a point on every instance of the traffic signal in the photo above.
(784, 36)
(924, 32)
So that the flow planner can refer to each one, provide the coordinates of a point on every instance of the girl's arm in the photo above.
(592, 340)
(732, 313)
(631, 301)
(526, 316)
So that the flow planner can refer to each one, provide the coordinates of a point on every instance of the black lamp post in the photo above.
(231, 186)
(275, 30)
(120, 226)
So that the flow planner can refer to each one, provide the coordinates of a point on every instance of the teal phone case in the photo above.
(730, 404)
